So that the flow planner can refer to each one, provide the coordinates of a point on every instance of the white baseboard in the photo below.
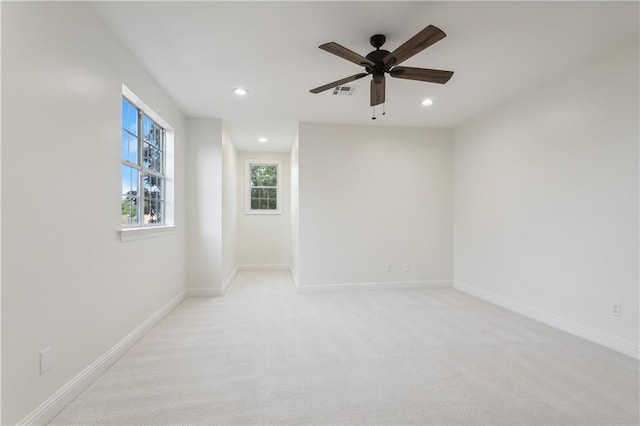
(267, 267)
(400, 285)
(294, 276)
(204, 292)
(571, 327)
(213, 292)
(63, 396)
(228, 281)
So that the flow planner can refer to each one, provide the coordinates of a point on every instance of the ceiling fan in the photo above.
(381, 62)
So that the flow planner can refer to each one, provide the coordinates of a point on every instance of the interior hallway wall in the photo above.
(205, 195)
(229, 207)
(295, 215)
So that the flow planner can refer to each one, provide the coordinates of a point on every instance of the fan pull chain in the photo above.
(374, 111)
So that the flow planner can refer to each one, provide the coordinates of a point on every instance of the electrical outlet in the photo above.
(616, 310)
(405, 267)
(389, 267)
(45, 360)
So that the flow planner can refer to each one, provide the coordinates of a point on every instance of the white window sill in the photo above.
(133, 234)
(263, 212)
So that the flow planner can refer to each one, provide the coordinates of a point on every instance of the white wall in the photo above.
(204, 156)
(67, 281)
(295, 201)
(264, 240)
(0, 240)
(546, 200)
(229, 207)
(372, 196)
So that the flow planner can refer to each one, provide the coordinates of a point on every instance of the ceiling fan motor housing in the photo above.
(378, 70)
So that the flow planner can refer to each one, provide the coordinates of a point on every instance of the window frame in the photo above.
(143, 170)
(279, 173)
(167, 169)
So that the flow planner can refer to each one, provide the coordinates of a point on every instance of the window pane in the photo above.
(263, 204)
(160, 212)
(153, 199)
(124, 145)
(152, 212)
(129, 210)
(130, 199)
(129, 147)
(272, 205)
(129, 117)
(263, 175)
(152, 132)
(153, 187)
(129, 181)
(273, 193)
(257, 174)
(157, 160)
(146, 155)
(254, 176)
(146, 127)
(152, 158)
(133, 149)
(254, 204)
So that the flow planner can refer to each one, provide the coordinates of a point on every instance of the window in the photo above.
(143, 168)
(263, 187)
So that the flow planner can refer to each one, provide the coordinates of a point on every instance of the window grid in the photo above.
(146, 171)
(263, 187)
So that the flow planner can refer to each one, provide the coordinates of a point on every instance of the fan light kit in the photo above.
(240, 91)
(381, 62)
(427, 102)
(262, 139)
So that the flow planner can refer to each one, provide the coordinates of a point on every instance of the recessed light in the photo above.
(240, 91)
(426, 102)
(262, 139)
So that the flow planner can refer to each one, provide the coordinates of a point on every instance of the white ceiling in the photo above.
(200, 51)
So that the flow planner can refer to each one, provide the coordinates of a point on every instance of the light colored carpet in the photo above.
(264, 354)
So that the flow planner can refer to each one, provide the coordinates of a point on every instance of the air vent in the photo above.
(344, 90)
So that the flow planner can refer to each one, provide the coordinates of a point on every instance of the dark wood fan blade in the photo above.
(415, 44)
(421, 74)
(338, 83)
(377, 92)
(345, 53)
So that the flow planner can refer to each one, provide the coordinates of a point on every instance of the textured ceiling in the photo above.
(200, 51)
